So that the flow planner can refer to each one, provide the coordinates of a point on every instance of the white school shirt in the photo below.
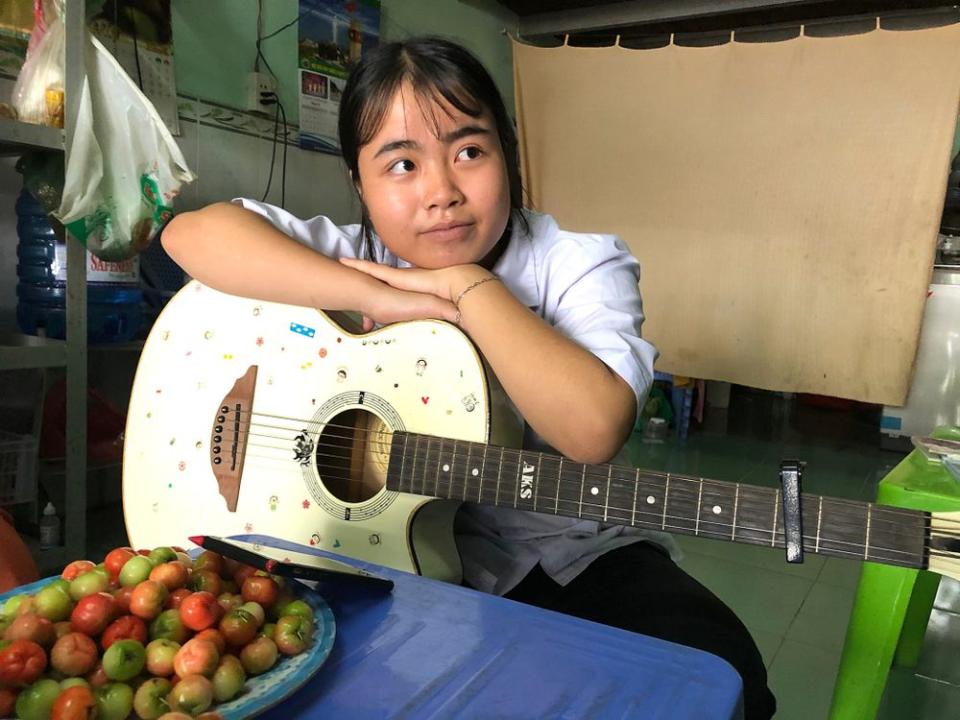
(586, 287)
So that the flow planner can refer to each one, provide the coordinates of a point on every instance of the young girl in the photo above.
(433, 156)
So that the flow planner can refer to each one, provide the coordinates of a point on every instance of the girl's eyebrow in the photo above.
(450, 137)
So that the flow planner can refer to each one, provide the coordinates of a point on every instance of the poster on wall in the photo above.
(334, 34)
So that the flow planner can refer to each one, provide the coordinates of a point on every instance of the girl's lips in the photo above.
(450, 232)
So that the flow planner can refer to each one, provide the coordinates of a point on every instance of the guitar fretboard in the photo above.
(619, 495)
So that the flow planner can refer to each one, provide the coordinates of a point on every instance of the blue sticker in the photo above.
(302, 330)
(888, 422)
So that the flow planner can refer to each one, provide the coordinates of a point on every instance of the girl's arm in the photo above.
(239, 252)
(567, 395)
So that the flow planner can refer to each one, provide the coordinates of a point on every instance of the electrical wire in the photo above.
(269, 99)
(273, 153)
(284, 27)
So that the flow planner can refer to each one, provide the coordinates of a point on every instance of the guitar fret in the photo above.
(416, 452)
(516, 487)
(556, 502)
(866, 546)
(696, 528)
(736, 505)
(666, 494)
(606, 500)
(816, 547)
(776, 508)
(452, 472)
(483, 470)
(499, 473)
(426, 462)
(583, 480)
(536, 484)
(636, 488)
(403, 459)
(436, 480)
(466, 471)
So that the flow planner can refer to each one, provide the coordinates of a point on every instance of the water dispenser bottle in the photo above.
(114, 297)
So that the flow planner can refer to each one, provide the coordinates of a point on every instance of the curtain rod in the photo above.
(626, 32)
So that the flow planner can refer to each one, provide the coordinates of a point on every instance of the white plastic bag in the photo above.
(124, 168)
(38, 92)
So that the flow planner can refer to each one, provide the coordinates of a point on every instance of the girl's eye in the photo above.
(402, 167)
(469, 153)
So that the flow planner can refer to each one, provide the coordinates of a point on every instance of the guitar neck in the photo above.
(619, 495)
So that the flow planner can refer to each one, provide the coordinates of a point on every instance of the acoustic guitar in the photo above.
(256, 417)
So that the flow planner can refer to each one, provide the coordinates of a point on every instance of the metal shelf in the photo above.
(17, 137)
(25, 351)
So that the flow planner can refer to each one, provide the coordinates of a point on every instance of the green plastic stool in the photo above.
(893, 604)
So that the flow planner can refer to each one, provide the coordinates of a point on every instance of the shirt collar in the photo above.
(517, 266)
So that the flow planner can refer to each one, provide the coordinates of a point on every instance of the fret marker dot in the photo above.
(446, 468)
(474, 472)
(594, 491)
(716, 510)
(651, 499)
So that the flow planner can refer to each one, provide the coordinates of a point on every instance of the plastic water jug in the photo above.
(114, 297)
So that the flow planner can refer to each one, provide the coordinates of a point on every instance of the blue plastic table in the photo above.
(433, 650)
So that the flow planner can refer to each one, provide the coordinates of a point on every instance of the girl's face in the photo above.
(436, 187)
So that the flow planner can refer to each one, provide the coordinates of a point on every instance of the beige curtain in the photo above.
(783, 198)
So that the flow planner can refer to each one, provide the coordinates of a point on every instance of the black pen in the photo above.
(325, 569)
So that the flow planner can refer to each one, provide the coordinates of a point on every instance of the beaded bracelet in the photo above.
(467, 289)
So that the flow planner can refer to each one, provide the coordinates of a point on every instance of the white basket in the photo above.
(18, 468)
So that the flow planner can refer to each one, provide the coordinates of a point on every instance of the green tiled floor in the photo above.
(798, 614)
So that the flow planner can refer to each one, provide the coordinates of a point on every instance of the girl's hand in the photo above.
(390, 303)
(445, 283)
(418, 293)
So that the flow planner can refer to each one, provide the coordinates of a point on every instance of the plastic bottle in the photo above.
(114, 297)
(49, 527)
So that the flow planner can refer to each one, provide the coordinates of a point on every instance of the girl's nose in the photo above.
(441, 190)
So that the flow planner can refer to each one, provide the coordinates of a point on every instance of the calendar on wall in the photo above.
(333, 36)
(138, 34)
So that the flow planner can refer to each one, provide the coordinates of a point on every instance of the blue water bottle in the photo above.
(114, 297)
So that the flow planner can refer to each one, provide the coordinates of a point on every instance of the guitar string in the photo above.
(727, 526)
(623, 486)
(597, 474)
(352, 429)
(627, 484)
(879, 510)
(828, 547)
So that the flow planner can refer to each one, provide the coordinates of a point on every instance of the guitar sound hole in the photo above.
(352, 454)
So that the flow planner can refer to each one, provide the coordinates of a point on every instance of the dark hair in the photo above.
(438, 70)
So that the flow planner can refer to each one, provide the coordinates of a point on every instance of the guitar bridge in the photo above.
(229, 435)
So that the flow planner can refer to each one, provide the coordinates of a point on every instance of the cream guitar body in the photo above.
(249, 416)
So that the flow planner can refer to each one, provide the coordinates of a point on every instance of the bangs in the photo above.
(437, 87)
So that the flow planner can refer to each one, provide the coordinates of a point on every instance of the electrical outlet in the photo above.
(257, 83)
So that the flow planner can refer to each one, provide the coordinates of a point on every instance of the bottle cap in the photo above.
(50, 509)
